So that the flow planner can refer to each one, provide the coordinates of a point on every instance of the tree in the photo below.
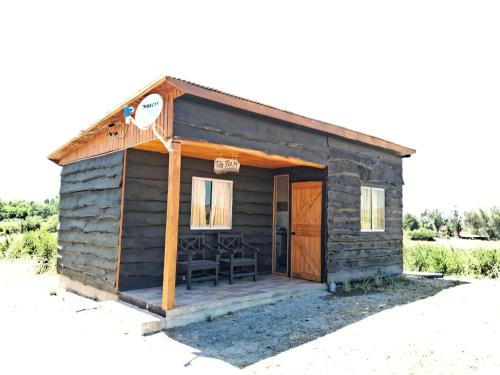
(455, 222)
(433, 219)
(472, 221)
(410, 222)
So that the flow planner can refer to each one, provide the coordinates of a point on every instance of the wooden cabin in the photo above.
(321, 202)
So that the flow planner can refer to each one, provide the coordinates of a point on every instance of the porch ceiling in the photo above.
(210, 151)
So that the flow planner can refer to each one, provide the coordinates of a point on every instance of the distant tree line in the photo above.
(21, 216)
(22, 209)
(478, 222)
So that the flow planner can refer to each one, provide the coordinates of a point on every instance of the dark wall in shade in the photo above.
(252, 204)
(143, 238)
(89, 220)
(143, 233)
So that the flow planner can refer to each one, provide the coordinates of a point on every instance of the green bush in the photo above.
(437, 258)
(4, 246)
(31, 224)
(486, 262)
(422, 234)
(39, 244)
(51, 224)
(9, 227)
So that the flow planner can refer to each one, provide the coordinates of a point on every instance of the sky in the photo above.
(424, 74)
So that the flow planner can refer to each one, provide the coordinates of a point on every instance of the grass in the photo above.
(346, 286)
(426, 257)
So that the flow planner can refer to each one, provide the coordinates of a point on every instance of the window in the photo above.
(372, 209)
(211, 203)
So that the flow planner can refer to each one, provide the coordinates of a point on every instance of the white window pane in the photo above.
(220, 216)
(378, 209)
(199, 217)
(366, 215)
(211, 203)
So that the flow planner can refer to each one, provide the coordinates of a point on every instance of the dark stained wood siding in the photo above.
(252, 204)
(201, 119)
(89, 220)
(349, 253)
(352, 254)
(91, 197)
(143, 237)
(144, 213)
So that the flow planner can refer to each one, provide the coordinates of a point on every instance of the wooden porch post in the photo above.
(172, 227)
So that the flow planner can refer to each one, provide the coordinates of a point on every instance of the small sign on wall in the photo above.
(222, 165)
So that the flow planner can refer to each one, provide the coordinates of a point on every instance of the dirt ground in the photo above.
(422, 327)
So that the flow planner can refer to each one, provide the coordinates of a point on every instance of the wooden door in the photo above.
(306, 230)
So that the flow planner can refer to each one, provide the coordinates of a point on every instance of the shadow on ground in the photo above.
(248, 336)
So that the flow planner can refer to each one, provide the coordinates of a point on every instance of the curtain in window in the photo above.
(198, 213)
(220, 215)
(366, 204)
(378, 207)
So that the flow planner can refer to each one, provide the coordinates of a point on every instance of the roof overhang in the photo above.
(180, 87)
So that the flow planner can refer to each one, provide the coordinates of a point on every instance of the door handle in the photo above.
(293, 233)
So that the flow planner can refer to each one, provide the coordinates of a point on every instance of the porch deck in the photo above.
(204, 299)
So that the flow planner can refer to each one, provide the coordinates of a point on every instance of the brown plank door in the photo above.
(306, 230)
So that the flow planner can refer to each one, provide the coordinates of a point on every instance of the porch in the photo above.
(260, 208)
(205, 300)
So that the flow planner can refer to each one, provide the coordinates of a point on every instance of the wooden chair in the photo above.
(193, 260)
(233, 255)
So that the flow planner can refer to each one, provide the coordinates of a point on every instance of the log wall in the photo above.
(144, 213)
(349, 253)
(89, 220)
(143, 238)
(91, 198)
(352, 254)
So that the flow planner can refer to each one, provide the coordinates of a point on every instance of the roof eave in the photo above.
(186, 87)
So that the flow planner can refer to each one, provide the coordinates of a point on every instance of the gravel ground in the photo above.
(424, 327)
(248, 336)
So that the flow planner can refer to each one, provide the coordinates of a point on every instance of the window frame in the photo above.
(230, 182)
(371, 188)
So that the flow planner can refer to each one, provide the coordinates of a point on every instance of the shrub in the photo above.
(9, 227)
(346, 286)
(379, 281)
(436, 258)
(39, 244)
(486, 262)
(365, 285)
(51, 224)
(4, 246)
(31, 223)
(422, 234)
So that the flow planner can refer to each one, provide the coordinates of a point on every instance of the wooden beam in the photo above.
(201, 149)
(120, 228)
(172, 227)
